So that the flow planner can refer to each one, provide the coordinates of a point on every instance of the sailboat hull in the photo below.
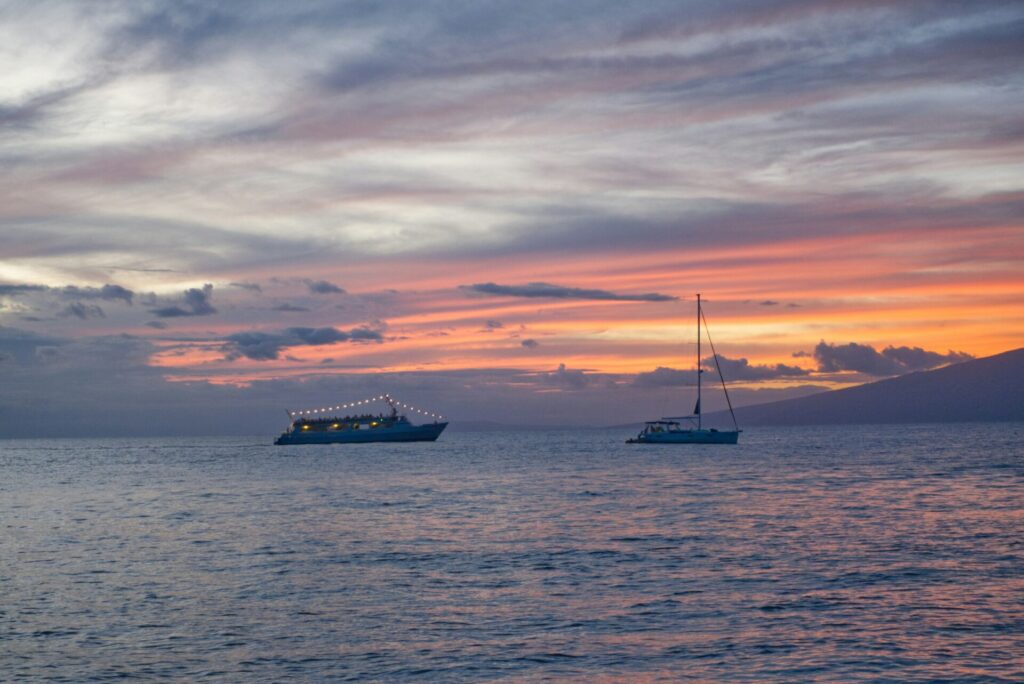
(688, 437)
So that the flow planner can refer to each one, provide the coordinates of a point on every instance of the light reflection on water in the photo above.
(827, 554)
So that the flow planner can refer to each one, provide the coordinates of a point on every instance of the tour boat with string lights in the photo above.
(329, 426)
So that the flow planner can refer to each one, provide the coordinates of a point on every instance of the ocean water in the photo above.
(854, 554)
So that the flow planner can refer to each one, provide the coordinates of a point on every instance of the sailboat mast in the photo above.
(699, 411)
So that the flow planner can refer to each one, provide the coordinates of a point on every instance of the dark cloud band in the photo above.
(196, 302)
(862, 358)
(107, 292)
(261, 346)
(549, 291)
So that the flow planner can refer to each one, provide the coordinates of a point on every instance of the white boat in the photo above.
(690, 429)
(328, 426)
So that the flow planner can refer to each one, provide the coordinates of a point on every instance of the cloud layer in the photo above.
(195, 302)
(862, 358)
(734, 370)
(261, 346)
(549, 291)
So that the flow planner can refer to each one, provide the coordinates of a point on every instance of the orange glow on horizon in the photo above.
(764, 302)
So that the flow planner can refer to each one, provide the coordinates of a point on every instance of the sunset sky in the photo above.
(501, 211)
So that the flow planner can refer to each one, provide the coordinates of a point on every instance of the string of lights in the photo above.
(383, 397)
(413, 408)
(327, 409)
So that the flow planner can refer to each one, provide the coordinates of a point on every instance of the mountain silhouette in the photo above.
(990, 388)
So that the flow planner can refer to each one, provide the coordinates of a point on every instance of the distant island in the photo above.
(987, 389)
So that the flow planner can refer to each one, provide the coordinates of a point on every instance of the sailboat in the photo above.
(670, 429)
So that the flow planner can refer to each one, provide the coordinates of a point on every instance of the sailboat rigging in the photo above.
(669, 429)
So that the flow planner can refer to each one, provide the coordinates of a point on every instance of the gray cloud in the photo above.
(12, 290)
(666, 377)
(567, 378)
(439, 44)
(916, 358)
(82, 311)
(142, 270)
(289, 307)
(863, 358)
(33, 111)
(831, 359)
(252, 287)
(735, 370)
(108, 292)
(558, 292)
(323, 287)
(261, 346)
(21, 345)
(742, 370)
(47, 353)
(713, 221)
(530, 344)
(195, 302)
(173, 36)
(193, 246)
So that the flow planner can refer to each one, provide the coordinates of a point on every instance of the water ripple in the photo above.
(811, 554)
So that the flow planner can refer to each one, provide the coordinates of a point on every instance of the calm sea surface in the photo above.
(813, 554)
